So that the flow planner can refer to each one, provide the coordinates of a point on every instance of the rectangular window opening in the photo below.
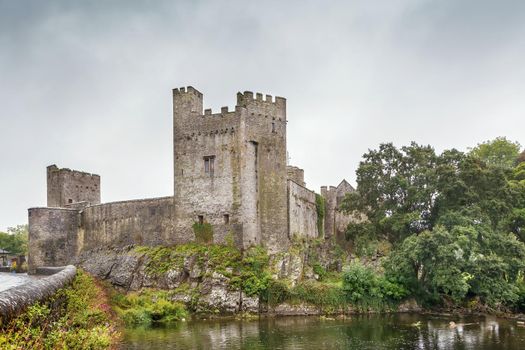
(209, 165)
(273, 126)
(201, 219)
(70, 200)
(226, 219)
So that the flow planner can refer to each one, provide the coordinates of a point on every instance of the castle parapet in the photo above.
(267, 106)
(187, 90)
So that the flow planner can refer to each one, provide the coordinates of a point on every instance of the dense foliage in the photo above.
(367, 290)
(14, 240)
(76, 317)
(498, 152)
(456, 219)
(147, 307)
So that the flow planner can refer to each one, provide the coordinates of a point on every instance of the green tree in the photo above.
(15, 240)
(396, 190)
(521, 158)
(498, 152)
(405, 191)
(470, 259)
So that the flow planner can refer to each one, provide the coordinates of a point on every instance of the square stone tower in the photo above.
(230, 169)
(66, 187)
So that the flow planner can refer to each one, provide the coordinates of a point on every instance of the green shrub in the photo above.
(203, 232)
(327, 296)
(136, 317)
(319, 270)
(147, 307)
(253, 273)
(276, 292)
(367, 290)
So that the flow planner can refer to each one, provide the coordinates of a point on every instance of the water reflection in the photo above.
(401, 331)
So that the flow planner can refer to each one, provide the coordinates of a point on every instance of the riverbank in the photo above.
(220, 280)
(76, 317)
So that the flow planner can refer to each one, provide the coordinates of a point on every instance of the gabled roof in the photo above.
(345, 185)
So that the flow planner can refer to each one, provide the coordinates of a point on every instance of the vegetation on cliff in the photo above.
(248, 271)
(76, 317)
(455, 220)
(147, 307)
(259, 276)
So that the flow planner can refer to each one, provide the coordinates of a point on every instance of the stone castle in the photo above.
(230, 177)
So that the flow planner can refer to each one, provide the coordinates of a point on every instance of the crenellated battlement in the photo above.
(187, 90)
(247, 97)
(262, 104)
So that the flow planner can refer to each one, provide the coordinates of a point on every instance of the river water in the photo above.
(10, 280)
(396, 331)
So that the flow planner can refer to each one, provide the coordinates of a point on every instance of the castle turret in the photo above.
(187, 104)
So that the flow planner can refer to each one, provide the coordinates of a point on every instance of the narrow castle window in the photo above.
(209, 165)
(70, 201)
(226, 219)
(201, 219)
(273, 126)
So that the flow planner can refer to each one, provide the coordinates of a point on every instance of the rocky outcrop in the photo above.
(194, 282)
(16, 299)
(205, 284)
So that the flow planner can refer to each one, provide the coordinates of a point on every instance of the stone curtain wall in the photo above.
(117, 224)
(16, 299)
(53, 236)
(302, 211)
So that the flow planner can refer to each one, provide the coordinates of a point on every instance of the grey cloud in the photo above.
(87, 84)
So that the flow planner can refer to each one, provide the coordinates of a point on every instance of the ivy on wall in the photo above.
(203, 232)
(321, 209)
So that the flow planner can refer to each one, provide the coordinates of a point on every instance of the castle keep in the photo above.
(231, 179)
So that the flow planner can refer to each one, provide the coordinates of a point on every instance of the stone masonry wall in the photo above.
(53, 236)
(264, 127)
(302, 211)
(296, 174)
(117, 224)
(213, 194)
(335, 221)
(66, 186)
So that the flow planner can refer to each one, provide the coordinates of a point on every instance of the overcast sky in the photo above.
(87, 84)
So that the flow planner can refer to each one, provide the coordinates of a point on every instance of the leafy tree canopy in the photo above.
(498, 152)
(456, 220)
(15, 239)
(404, 191)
